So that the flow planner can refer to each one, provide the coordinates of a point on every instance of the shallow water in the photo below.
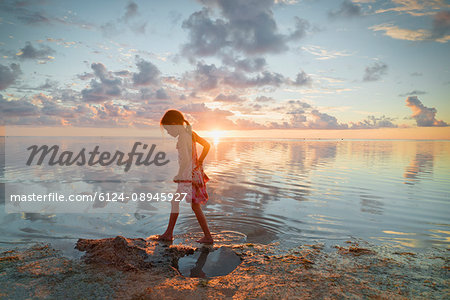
(289, 191)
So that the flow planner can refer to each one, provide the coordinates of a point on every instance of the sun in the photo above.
(216, 135)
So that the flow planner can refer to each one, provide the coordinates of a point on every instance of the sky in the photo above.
(353, 67)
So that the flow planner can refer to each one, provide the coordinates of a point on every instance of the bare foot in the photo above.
(206, 240)
(161, 237)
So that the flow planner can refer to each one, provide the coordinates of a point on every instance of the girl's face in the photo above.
(172, 129)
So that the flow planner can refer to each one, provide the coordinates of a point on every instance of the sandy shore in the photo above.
(121, 268)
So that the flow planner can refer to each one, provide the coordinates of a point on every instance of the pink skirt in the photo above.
(195, 189)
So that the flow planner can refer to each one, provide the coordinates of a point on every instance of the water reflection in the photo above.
(207, 263)
(422, 164)
(290, 191)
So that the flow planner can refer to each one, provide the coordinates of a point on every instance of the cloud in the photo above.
(301, 29)
(49, 84)
(400, 33)
(302, 79)
(439, 32)
(240, 80)
(302, 115)
(246, 27)
(415, 7)
(245, 124)
(30, 17)
(50, 107)
(375, 72)
(208, 77)
(148, 73)
(424, 116)
(8, 75)
(208, 119)
(323, 53)
(161, 94)
(228, 98)
(441, 26)
(374, 122)
(347, 9)
(324, 121)
(105, 88)
(16, 108)
(131, 11)
(264, 99)
(29, 52)
(249, 65)
(206, 37)
(415, 92)
(119, 25)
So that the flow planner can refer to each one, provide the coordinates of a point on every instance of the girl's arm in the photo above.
(205, 145)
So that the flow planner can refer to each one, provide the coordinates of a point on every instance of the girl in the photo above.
(190, 178)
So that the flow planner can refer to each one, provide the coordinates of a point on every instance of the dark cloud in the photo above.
(146, 94)
(161, 94)
(324, 121)
(131, 11)
(347, 9)
(375, 72)
(119, 25)
(28, 16)
(301, 29)
(105, 88)
(148, 73)
(206, 37)
(298, 103)
(48, 85)
(52, 108)
(246, 27)
(14, 109)
(110, 29)
(264, 99)
(34, 18)
(303, 115)
(265, 78)
(374, 122)
(208, 77)
(302, 79)
(424, 116)
(412, 93)
(30, 52)
(123, 73)
(441, 25)
(249, 65)
(228, 98)
(8, 75)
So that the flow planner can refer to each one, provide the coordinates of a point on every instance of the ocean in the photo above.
(394, 193)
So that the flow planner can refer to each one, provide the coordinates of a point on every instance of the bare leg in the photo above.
(207, 239)
(168, 234)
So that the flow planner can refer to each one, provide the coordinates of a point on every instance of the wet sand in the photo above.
(121, 268)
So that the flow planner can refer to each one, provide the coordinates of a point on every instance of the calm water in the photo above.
(288, 191)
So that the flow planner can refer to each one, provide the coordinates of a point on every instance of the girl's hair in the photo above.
(173, 117)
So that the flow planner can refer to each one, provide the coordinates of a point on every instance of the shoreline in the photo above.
(142, 269)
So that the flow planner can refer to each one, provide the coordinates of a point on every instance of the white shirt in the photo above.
(184, 146)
